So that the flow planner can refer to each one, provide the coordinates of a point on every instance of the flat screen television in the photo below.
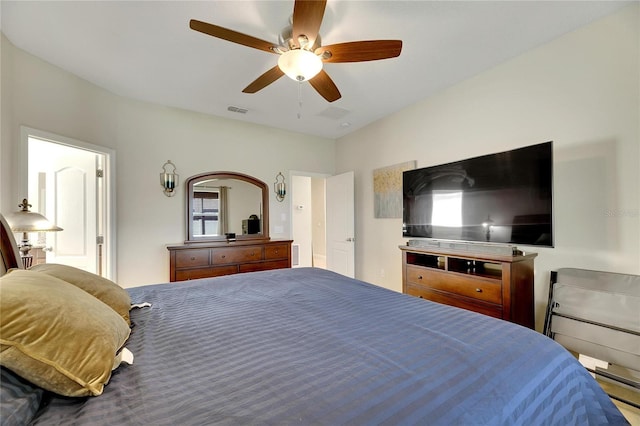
(504, 198)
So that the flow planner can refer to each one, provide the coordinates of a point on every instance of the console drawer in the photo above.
(480, 288)
(453, 300)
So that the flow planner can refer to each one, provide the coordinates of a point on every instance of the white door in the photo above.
(69, 196)
(340, 224)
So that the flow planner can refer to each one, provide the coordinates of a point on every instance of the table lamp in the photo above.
(26, 221)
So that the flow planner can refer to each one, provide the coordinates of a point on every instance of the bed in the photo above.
(311, 347)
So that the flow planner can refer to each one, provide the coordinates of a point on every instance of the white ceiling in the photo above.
(145, 50)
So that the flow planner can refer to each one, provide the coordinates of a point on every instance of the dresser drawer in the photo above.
(280, 251)
(264, 266)
(484, 289)
(192, 274)
(235, 255)
(192, 258)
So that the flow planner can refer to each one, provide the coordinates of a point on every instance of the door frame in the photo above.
(109, 183)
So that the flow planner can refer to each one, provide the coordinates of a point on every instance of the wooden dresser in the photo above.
(201, 260)
(495, 285)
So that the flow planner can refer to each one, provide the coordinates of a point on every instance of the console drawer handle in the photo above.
(223, 256)
(478, 290)
(419, 277)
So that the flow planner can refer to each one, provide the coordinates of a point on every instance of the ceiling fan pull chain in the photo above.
(299, 100)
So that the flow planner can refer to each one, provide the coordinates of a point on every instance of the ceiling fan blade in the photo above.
(325, 86)
(307, 17)
(232, 36)
(264, 80)
(359, 51)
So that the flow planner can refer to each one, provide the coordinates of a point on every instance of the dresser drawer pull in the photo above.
(252, 254)
(193, 258)
(478, 290)
(223, 256)
(419, 277)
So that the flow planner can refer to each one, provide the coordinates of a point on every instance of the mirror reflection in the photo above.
(222, 206)
(225, 203)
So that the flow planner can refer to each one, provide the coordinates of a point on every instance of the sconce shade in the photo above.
(300, 64)
(27, 221)
(169, 180)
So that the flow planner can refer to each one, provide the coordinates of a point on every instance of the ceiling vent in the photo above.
(237, 109)
(335, 113)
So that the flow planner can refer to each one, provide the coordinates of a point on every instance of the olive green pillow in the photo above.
(106, 290)
(56, 335)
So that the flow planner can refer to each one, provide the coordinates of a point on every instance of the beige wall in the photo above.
(144, 137)
(582, 92)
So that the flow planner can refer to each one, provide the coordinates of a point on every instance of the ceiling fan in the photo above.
(301, 52)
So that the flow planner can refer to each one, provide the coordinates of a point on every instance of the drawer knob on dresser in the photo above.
(419, 277)
(193, 258)
(478, 290)
(223, 256)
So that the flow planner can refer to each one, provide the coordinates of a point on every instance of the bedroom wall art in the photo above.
(387, 190)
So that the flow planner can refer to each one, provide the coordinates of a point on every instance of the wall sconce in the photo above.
(26, 221)
(169, 180)
(279, 187)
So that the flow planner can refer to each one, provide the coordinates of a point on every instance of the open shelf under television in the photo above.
(492, 284)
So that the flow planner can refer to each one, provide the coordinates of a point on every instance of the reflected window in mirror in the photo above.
(206, 213)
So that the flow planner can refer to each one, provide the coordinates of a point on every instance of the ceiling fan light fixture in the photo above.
(300, 64)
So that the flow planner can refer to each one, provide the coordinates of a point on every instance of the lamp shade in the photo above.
(300, 64)
(28, 221)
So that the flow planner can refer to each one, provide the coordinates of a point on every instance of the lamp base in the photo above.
(27, 261)
(24, 248)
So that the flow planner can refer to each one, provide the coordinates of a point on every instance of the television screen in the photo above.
(498, 198)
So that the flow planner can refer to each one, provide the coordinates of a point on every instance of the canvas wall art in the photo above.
(387, 190)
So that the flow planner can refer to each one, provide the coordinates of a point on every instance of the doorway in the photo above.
(67, 181)
(308, 220)
(322, 221)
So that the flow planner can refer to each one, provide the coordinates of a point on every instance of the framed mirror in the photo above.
(222, 203)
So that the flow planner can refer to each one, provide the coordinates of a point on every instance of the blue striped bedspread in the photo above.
(307, 346)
